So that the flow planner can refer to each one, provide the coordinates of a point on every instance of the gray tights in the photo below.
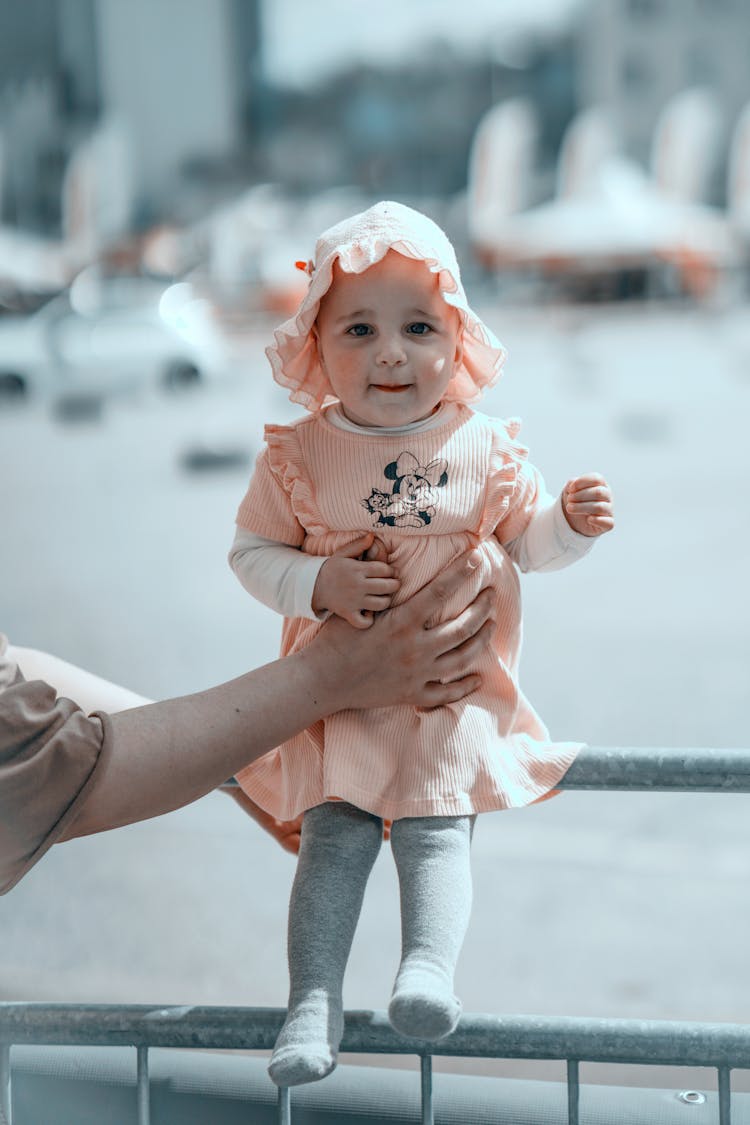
(339, 846)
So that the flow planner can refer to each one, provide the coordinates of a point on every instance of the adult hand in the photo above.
(284, 832)
(403, 657)
(162, 756)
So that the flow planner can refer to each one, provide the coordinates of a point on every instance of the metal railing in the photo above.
(723, 1047)
(653, 770)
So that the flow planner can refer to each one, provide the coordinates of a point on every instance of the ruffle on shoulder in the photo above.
(506, 457)
(288, 465)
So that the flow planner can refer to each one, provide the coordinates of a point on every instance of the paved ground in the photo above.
(113, 556)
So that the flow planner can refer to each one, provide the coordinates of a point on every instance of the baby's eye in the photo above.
(358, 330)
(419, 328)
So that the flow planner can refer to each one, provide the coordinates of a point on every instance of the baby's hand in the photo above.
(587, 504)
(354, 588)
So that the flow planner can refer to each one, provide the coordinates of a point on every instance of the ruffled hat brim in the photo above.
(357, 244)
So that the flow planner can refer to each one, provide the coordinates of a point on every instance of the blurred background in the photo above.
(162, 165)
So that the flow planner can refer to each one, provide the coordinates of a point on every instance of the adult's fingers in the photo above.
(286, 833)
(449, 635)
(460, 661)
(424, 605)
(437, 695)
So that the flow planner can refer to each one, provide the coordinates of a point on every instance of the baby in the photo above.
(350, 510)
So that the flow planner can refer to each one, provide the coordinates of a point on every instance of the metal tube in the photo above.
(5, 1091)
(144, 1101)
(648, 1042)
(285, 1106)
(725, 1096)
(573, 1091)
(659, 769)
(426, 1071)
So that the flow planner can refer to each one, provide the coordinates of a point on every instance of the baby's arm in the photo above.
(279, 576)
(299, 585)
(554, 536)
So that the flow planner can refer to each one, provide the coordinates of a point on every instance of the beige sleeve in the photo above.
(50, 756)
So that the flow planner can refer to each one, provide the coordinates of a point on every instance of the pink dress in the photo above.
(428, 495)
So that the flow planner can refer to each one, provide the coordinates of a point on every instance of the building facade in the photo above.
(634, 55)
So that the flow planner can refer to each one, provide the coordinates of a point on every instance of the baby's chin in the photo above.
(391, 411)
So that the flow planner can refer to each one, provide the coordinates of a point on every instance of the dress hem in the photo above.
(464, 805)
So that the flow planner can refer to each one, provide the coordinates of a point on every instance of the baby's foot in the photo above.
(423, 1005)
(307, 1047)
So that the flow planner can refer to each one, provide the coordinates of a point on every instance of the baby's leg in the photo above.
(339, 846)
(432, 856)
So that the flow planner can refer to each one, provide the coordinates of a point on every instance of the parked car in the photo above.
(106, 335)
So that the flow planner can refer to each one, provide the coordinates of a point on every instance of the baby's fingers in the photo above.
(588, 480)
(376, 603)
(359, 618)
(576, 491)
(588, 507)
(356, 548)
(599, 525)
(377, 570)
(376, 552)
(381, 586)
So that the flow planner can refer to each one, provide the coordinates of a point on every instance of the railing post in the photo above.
(573, 1091)
(725, 1096)
(144, 1100)
(425, 1062)
(5, 1092)
(285, 1106)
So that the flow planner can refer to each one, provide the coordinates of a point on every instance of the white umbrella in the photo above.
(621, 219)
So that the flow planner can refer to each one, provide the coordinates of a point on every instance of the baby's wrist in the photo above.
(319, 598)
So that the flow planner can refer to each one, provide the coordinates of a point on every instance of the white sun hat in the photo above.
(358, 243)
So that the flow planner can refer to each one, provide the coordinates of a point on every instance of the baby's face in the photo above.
(388, 342)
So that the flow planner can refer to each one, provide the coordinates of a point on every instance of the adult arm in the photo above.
(64, 774)
(93, 693)
(161, 757)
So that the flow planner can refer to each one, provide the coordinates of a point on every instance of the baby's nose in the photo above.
(390, 351)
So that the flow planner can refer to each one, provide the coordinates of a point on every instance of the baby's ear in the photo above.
(316, 337)
(459, 356)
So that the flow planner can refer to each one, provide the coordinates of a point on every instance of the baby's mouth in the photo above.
(391, 389)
